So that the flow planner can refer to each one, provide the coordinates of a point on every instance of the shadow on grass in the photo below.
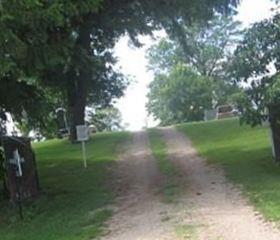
(74, 200)
(70, 194)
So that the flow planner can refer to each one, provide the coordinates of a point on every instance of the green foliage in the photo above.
(35, 37)
(74, 200)
(181, 96)
(67, 46)
(187, 231)
(246, 156)
(206, 50)
(106, 119)
(257, 62)
(46, 128)
(40, 44)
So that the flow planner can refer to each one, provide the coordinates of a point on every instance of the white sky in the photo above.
(133, 62)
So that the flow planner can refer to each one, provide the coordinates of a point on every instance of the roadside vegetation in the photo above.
(74, 200)
(159, 149)
(245, 154)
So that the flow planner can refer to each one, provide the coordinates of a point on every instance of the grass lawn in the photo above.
(74, 199)
(159, 150)
(245, 154)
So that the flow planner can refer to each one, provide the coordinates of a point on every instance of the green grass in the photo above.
(73, 202)
(245, 154)
(159, 150)
(186, 232)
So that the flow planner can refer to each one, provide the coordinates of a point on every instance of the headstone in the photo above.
(63, 129)
(210, 114)
(20, 168)
(61, 118)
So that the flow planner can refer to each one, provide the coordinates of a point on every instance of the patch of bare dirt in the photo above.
(215, 206)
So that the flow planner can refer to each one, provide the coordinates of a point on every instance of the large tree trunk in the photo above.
(76, 106)
(275, 130)
(78, 80)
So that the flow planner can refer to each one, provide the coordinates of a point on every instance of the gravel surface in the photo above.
(140, 213)
(218, 207)
(208, 207)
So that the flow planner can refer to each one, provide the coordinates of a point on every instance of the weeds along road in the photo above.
(207, 208)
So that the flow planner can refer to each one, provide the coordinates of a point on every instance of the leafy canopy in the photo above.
(204, 52)
(63, 48)
(257, 63)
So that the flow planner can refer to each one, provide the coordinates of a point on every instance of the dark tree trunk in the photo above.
(275, 129)
(78, 81)
(76, 105)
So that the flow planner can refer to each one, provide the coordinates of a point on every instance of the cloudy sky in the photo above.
(132, 61)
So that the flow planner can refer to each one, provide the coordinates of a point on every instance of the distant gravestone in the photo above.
(63, 129)
(20, 168)
(210, 114)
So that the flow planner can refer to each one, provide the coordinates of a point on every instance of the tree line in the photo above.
(59, 53)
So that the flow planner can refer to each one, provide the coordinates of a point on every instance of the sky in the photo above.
(133, 62)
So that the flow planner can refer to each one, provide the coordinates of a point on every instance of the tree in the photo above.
(207, 51)
(257, 62)
(51, 55)
(205, 48)
(106, 119)
(30, 42)
(65, 45)
(180, 96)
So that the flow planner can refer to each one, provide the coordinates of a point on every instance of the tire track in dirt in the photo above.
(218, 208)
(140, 214)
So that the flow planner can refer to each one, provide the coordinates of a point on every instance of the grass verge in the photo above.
(245, 154)
(159, 150)
(74, 202)
(186, 232)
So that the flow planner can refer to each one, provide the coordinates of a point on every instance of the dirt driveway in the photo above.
(140, 214)
(209, 207)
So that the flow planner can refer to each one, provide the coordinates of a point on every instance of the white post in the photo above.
(84, 153)
(272, 141)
